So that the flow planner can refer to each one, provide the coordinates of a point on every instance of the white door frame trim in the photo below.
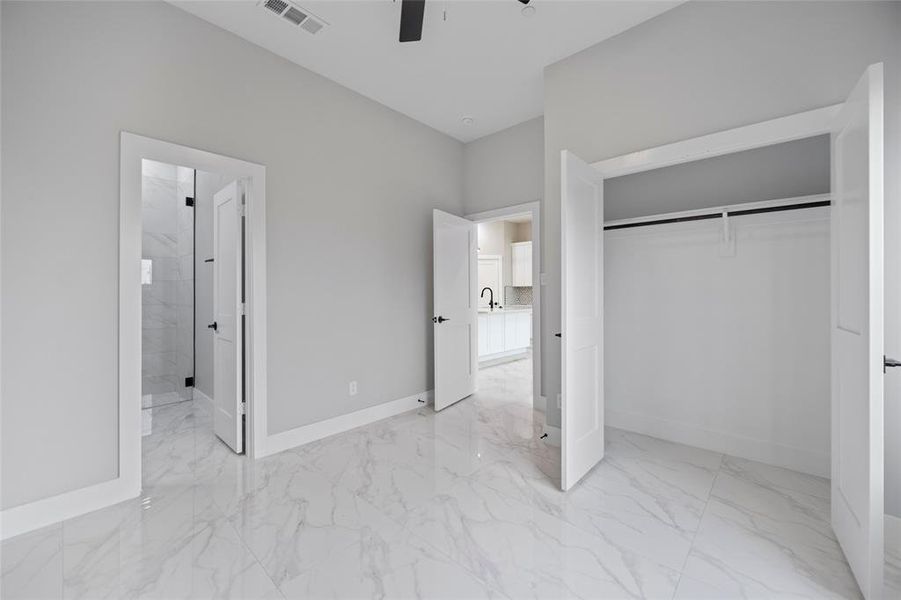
(766, 133)
(534, 209)
(127, 483)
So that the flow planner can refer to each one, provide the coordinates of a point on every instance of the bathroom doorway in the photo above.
(192, 298)
(192, 307)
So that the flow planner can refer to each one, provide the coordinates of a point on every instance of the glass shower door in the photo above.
(167, 290)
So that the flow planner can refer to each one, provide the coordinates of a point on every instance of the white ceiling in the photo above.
(484, 61)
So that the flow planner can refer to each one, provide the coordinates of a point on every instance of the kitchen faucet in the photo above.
(491, 302)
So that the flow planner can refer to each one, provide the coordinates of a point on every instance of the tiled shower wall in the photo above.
(168, 300)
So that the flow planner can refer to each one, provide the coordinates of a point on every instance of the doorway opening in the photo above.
(487, 312)
(192, 294)
(192, 303)
(504, 322)
(508, 261)
(486, 268)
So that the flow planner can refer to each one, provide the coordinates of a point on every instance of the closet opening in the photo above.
(717, 304)
(726, 292)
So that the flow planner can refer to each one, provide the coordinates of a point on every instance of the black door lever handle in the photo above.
(889, 362)
(439, 319)
(214, 326)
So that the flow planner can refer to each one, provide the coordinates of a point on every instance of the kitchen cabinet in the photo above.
(522, 330)
(521, 253)
(503, 333)
(490, 276)
(510, 322)
(496, 327)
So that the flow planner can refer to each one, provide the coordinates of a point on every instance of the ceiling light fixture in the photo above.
(467, 120)
(528, 11)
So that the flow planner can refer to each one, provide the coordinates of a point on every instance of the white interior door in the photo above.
(582, 284)
(857, 331)
(455, 280)
(227, 330)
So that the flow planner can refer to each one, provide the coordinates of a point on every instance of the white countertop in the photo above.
(506, 309)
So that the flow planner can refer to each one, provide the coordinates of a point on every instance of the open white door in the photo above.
(857, 331)
(456, 277)
(582, 285)
(228, 396)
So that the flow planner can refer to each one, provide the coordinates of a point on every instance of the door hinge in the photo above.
(243, 308)
(189, 201)
(242, 408)
(243, 210)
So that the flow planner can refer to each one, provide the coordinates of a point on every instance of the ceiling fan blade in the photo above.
(411, 13)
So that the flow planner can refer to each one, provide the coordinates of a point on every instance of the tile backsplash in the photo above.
(518, 296)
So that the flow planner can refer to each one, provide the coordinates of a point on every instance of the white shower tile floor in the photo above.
(460, 504)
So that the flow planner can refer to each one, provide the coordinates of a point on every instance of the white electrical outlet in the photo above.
(352, 388)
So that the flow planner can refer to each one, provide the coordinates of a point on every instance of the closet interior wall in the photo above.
(718, 336)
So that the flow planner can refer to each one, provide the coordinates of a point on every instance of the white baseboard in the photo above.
(492, 360)
(198, 395)
(40, 513)
(299, 436)
(764, 451)
(553, 435)
(34, 515)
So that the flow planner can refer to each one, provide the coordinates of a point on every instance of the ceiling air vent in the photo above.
(276, 6)
(311, 25)
(295, 15)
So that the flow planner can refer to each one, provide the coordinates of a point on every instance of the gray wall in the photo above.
(706, 67)
(207, 185)
(798, 168)
(504, 168)
(338, 166)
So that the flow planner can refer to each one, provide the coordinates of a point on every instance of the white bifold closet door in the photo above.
(857, 331)
(582, 285)
(228, 343)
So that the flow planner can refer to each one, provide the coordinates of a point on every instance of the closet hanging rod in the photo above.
(719, 215)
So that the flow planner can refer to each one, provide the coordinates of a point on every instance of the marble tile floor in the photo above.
(461, 504)
(892, 568)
